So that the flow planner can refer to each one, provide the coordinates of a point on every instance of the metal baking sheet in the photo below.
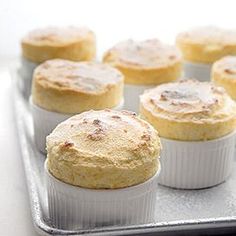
(208, 210)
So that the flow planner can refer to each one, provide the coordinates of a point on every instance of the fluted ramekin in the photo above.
(199, 71)
(196, 165)
(131, 96)
(26, 73)
(73, 207)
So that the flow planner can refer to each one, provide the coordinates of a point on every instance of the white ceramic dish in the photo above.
(131, 96)
(26, 71)
(195, 165)
(71, 207)
(45, 121)
(197, 71)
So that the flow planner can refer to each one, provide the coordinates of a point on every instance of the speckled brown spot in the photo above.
(59, 84)
(48, 37)
(131, 113)
(163, 97)
(228, 71)
(141, 145)
(174, 103)
(72, 76)
(68, 144)
(152, 101)
(97, 134)
(172, 57)
(85, 121)
(116, 117)
(146, 137)
(183, 81)
(96, 122)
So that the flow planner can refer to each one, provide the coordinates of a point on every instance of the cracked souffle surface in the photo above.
(145, 62)
(72, 43)
(206, 44)
(189, 110)
(224, 74)
(72, 87)
(104, 149)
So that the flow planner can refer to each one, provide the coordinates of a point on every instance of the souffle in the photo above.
(103, 150)
(189, 110)
(73, 87)
(206, 44)
(224, 74)
(72, 43)
(146, 62)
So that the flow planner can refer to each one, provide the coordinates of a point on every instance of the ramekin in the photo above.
(73, 207)
(196, 165)
(131, 96)
(45, 121)
(199, 71)
(26, 72)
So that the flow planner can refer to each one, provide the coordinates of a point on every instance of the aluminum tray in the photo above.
(178, 211)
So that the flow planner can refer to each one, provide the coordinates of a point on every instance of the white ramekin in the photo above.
(26, 72)
(131, 96)
(45, 121)
(195, 165)
(199, 71)
(73, 207)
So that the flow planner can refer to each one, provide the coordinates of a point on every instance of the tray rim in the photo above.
(42, 228)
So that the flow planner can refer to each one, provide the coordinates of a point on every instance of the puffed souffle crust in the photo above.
(103, 149)
(189, 110)
(206, 44)
(73, 87)
(145, 62)
(224, 74)
(71, 43)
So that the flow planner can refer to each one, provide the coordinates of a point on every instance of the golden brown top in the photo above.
(207, 44)
(56, 36)
(226, 67)
(112, 149)
(144, 54)
(87, 77)
(189, 100)
(211, 36)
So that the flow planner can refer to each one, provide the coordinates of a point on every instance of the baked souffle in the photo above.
(72, 43)
(103, 149)
(145, 62)
(224, 74)
(206, 44)
(70, 87)
(189, 110)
